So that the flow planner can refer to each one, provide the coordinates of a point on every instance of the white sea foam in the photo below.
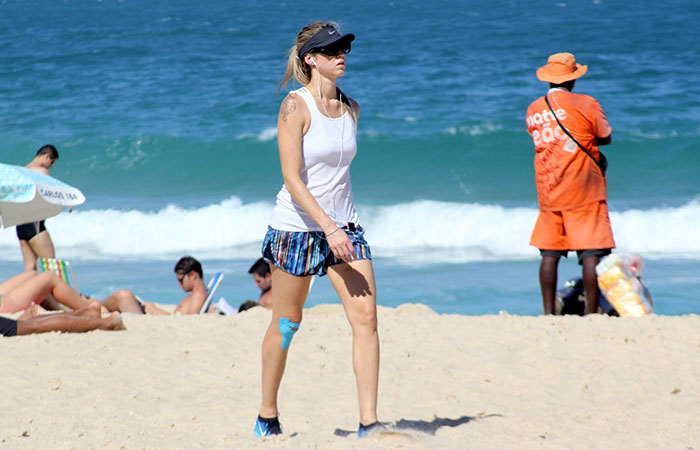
(651, 136)
(415, 232)
(268, 134)
(219, 229)
(473, 130)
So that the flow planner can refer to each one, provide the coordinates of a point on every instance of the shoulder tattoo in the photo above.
(289, 105)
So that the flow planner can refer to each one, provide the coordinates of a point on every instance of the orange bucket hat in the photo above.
(560, 68)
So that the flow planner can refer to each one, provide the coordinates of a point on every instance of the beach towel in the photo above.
(224, 307)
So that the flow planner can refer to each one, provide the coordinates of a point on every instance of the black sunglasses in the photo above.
(334, 49)
(180, 277)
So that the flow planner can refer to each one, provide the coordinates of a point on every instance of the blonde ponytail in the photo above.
(297, 70)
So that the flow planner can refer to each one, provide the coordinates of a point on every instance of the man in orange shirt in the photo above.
(570, 178)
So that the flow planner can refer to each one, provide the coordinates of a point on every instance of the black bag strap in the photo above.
(597, 163)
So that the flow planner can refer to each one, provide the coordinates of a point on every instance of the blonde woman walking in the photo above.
(314, 228)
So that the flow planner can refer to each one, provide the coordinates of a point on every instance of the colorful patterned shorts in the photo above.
(304, 253)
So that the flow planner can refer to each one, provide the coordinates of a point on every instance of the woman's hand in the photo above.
(341, 245)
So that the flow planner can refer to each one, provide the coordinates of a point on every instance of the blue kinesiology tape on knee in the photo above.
(287, 328)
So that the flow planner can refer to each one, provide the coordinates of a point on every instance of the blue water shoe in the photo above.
(369, 430)
(267, 427)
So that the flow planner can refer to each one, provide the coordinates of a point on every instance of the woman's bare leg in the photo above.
(288, 297)
(11, 283)
(36, 289)
(355, 285)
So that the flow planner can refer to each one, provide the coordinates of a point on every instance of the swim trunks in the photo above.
(8, 327)
(304, 253)
(583, 228)
(582, 254)
(28, 230)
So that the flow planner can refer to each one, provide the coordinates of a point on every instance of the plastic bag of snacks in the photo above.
(619, 279)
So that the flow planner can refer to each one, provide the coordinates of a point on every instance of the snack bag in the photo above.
(619, 279)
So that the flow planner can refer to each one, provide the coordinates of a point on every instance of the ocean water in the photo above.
(164, 115)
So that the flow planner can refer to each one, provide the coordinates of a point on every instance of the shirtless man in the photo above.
(189, 275)
(34, 239)
(263, 280)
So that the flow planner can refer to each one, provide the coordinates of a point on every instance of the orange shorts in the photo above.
(584, 228)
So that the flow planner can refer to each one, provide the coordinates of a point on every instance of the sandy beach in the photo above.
(447, 381)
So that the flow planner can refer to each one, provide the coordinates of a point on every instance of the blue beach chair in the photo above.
(211, 288)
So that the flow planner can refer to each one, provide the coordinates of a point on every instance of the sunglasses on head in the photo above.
(334, 49)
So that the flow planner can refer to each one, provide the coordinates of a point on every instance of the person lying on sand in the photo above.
(189, 275)
(79, 321)
(20, 291)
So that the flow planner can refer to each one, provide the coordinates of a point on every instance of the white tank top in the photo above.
(325, 169)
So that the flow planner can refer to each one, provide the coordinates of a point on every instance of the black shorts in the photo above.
(8, 327)
(28, 230)
(582, 254)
